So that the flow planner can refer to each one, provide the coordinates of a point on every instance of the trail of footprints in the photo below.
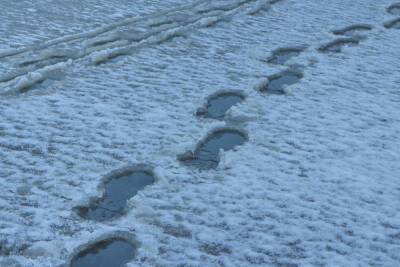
(121, 185)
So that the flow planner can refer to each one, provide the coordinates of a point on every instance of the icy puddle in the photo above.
(282, 55)
(278, 82)
(118, 190)
(206, 155)
(107, 253)
(218, 105)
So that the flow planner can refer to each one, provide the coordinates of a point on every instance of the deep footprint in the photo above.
(118, 189)
(353, 30)
(282, 55)
(277, 83)
(206, 155)
(337, 45)
(394, 9)
(393, 24)
(113, 252)
(219, 104)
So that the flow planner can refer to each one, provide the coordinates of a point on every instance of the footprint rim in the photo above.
(353, 27)
(340, 42)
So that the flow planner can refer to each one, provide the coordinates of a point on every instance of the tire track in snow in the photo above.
(90, 34)
(118, 39)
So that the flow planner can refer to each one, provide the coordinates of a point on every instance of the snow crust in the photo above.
(316, 184)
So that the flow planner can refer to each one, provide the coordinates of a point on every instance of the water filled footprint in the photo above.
(218, 105)
(206, 156)
(278, 82)
(282, 55)
(108, 253)
(337, 45)
(118, 190)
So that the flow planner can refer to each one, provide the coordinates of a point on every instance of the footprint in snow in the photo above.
(283, 54)
(337, 45)
(394, 9)
(206, 155)
(277, 83)
(218, 104)
(119, 187)
(350, 36)
(353, 30)
(392, 24)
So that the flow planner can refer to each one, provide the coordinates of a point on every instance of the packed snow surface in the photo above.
(92, 88)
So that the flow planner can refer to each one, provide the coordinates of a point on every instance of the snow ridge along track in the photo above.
(34, 64)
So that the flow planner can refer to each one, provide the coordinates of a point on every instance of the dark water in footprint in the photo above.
(218, 105)
(117, 191)
(109, 253)
(206, 156)
(276, 84)
(281, 56)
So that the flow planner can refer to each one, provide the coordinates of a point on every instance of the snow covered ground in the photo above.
(91, 87)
